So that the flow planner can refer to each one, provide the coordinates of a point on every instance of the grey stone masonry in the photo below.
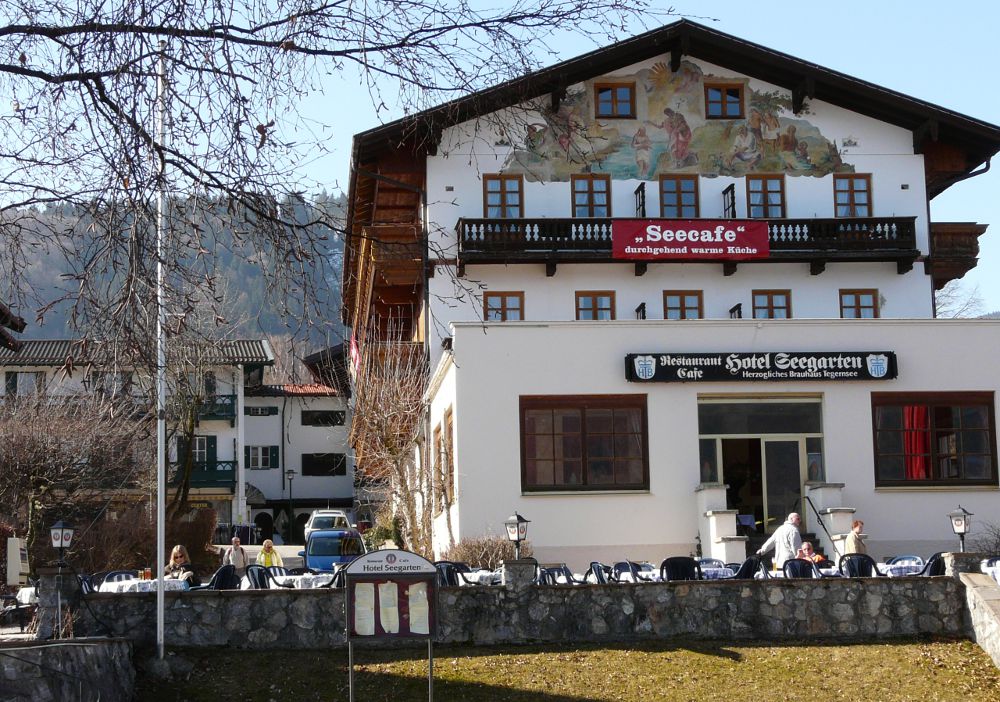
(983, 607)
(260, 619)
(72, 669)
(520, 611)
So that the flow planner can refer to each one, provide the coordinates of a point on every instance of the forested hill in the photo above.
(249, 305)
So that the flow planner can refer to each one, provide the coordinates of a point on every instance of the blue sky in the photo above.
(945, 57)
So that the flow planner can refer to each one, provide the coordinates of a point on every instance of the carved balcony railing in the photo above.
(878, 238)
(221, 474)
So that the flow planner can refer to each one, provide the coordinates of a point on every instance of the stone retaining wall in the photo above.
(73, 669)
(983, 608)
(521, 612)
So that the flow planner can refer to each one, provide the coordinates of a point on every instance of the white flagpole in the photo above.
(161, 356)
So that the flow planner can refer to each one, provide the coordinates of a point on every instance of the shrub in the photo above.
(987, 540)
(129, 542)
(486, 551)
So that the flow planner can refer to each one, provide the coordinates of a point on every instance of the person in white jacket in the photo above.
(785, 540)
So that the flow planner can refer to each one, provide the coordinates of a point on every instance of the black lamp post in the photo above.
(62, 537)
(961, 521)
(517, 531)
(290, 474)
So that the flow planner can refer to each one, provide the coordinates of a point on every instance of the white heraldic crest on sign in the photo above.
(645, 367)
(878, 365)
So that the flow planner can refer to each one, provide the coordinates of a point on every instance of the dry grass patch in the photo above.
(898, 671)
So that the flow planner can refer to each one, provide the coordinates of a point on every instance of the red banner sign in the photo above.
(689, 239)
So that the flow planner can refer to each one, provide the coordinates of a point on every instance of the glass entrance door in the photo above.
(782, 480)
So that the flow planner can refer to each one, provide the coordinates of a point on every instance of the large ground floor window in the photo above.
(930, 438)
(584, 442)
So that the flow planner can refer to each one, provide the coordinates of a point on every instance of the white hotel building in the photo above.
(637, 394)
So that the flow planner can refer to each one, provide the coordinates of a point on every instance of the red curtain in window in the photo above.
(916, 441)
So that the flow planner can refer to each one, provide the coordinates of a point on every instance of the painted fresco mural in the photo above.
(671, 135)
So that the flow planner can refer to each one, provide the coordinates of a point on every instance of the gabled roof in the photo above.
(74, 352)
(978, 139)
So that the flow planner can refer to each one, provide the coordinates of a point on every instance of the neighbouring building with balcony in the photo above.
(258, 454)
(673, 290)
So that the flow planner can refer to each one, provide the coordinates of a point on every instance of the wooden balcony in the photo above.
(817, 241)
(217, 474)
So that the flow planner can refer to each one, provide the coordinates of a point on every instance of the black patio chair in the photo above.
(711, 562)
(932, 567)
(301, 571)
(119, 575)
(601, 572)
(992, 561)
(748, 569)
(451, 573)
(799, 568)
(859, 565)
(561, 570)
(680, 568)
(278, 570)
(261, 578)
(223, 579)
(916, 560)
(621, 568)
(86, 583)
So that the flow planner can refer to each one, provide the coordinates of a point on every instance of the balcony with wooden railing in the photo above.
(556, 240)
(207, 474)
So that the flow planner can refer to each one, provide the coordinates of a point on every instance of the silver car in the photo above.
(327, 519)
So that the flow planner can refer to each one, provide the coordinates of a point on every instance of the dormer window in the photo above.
(724, 101)
(614, 100)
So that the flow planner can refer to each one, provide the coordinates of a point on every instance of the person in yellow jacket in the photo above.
(268, 556)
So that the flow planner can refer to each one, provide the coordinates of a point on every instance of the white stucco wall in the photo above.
(455, 190)
(299, 439)
(493, 369)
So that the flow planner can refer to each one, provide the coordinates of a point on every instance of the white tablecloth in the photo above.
(717, 573)
(480, 577)
(136, 585)
(27, 596)
(306, 581)
(899, 569)
(993, 572)
(829, 572)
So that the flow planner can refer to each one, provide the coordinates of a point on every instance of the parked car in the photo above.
(327, 519)
(327, 548)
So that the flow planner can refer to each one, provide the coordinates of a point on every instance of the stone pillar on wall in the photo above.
(955, 563)
(826, 497)
(50, 584)
(519, 574)
(717, 524)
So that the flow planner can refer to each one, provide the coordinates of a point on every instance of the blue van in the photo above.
(327, 548)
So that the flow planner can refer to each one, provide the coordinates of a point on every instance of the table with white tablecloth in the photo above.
(717, 573)
(992, 571)
(480, 577)
(27, 596)
(136, 585)
(898, 570)
(306, 581)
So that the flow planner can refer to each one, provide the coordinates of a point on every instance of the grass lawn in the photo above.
(910, 670)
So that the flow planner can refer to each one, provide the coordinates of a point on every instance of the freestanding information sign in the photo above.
(391, 594)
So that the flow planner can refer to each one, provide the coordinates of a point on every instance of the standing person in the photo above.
(785, 541)
(268, 556)
(854, 543)
(237, 557)
(179, 567)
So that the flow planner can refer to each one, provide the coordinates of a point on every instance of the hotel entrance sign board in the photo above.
(696, 366)
(689, 239)
(391, 594)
